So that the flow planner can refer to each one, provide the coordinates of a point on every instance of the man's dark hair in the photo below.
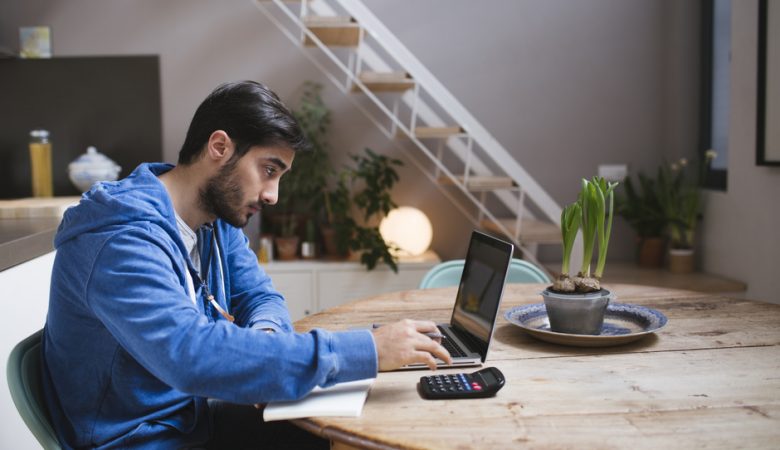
(250, 113)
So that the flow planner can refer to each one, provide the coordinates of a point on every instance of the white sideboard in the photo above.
(310, 286)
(26, 299)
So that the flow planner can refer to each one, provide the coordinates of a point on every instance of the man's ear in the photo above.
(219, 147)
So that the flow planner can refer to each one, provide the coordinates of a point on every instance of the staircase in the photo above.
(413, 109)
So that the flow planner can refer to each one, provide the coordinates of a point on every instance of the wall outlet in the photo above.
(613, 172)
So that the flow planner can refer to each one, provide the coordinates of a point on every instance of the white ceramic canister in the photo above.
(92, 167)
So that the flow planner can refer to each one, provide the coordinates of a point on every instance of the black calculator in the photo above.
(482, 383)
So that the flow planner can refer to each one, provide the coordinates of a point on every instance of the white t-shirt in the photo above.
(190, 239)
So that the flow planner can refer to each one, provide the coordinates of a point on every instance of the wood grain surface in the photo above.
(710, 378)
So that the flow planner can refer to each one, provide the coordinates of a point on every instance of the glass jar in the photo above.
(40, 164)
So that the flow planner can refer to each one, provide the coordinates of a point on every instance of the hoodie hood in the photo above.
(141, 197)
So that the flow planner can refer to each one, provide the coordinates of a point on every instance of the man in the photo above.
(162, 328)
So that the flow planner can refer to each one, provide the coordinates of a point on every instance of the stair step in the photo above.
(482, 182)
(385, 81)
(532, 231)
(437, 132)
(335, 31)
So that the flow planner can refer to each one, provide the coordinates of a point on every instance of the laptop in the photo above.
(468, 335)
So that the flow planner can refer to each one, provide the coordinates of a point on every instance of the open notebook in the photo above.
(340, 400)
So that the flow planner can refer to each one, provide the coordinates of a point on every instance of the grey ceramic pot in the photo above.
(576, 313)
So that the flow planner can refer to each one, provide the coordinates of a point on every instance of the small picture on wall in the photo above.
(35, 42)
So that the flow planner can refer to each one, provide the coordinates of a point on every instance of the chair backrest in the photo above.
(448, 274)
(522, 271)
(24, 381)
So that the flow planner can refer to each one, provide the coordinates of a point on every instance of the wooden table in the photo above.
(710, 378)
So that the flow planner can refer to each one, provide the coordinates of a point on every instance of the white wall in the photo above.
(564, 86)
(741, 237)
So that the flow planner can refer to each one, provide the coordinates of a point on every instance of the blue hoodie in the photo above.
(129, 359)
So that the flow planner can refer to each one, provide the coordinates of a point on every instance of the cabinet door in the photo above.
(340, 286)
(297, 288)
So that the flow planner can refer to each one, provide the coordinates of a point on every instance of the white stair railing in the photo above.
(366, 56)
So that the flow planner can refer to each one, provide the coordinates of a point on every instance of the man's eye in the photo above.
(270, 171)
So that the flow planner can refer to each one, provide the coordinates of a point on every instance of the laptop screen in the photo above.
(481, 287)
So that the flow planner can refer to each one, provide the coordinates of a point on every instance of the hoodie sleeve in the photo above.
(253, 299)
(138, 295)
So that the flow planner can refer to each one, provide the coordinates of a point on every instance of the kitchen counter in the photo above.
(24, 239)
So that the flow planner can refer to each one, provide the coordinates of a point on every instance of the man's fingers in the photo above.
(404, 343)
(434, 348)
(425, 358)
(425, 326)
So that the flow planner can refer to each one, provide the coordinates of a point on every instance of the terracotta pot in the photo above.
(681, 260)
(329, 240)
(287, 247)
(651, 252)
(329, 244)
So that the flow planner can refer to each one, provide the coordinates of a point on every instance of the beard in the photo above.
(223, 196)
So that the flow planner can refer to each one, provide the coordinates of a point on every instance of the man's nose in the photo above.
(269, 195)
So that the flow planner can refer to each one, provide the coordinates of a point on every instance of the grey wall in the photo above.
(564, 86)
(740, 225)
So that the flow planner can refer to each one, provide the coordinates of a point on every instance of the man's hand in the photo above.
(402, 343)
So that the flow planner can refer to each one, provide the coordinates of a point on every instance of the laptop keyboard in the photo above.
(451, 348)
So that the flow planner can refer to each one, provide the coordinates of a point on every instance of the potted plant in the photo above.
(287, 240)
(362, 188)
(300, 188)
(680, 198)
(642, 209)
(577, 304)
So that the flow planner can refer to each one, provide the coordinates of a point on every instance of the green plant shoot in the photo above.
(588, 200)
(606, 194)
(570, 224)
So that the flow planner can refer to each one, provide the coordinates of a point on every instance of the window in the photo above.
(716, 87)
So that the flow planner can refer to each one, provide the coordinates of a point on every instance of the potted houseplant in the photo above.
(362, 188)
(680, 198)
(642, 209)
(287, 240)
(577, 304)
(300, 188)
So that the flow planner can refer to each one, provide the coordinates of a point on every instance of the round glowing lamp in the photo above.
(407, 228)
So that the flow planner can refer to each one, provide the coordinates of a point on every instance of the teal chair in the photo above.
(24, 381)
(448, 274)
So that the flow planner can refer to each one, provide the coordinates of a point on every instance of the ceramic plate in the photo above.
(622, 323)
